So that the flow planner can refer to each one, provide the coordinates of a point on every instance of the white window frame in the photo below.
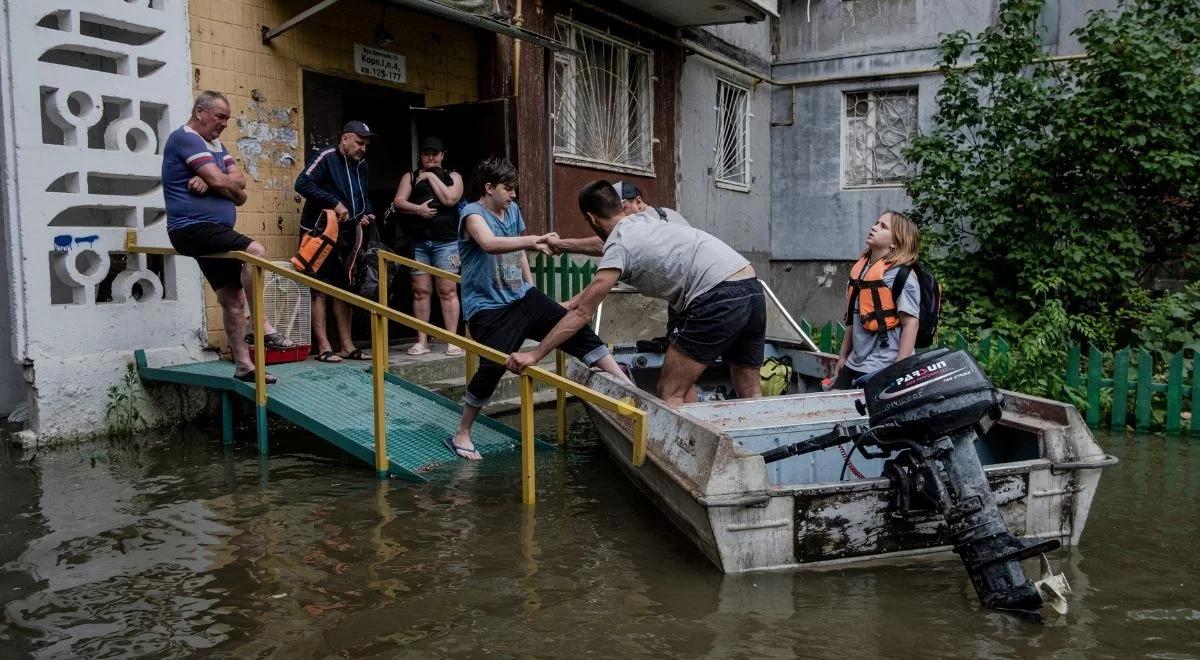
(911, 90)
(566, 153)
(742, 134)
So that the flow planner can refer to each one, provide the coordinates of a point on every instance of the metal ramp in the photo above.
(334, 402)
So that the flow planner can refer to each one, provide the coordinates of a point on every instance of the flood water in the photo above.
(174, 546)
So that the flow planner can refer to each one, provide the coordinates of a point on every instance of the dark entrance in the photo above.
(329, 103)
(470, 131)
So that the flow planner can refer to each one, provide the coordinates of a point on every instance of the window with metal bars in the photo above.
(878, 126)
(733, 135)
(602, 101)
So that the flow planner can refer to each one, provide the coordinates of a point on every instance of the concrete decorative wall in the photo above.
(91, 89)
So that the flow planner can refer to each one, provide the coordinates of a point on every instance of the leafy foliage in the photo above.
(122, 415)
(1052, 193)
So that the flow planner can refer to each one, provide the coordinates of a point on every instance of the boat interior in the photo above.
(803, 411)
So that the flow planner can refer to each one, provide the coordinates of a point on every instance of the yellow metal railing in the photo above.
(380, 315)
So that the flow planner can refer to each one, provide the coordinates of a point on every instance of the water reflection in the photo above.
(176, 545)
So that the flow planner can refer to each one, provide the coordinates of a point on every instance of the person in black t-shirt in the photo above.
(427, 200)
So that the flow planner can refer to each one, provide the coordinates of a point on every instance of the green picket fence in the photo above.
(1131, 371)
(560, 278)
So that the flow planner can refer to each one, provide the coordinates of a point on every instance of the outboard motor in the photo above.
(926, 413)
(933, 407)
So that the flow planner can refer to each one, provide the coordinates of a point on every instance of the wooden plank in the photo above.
(1095, 362)
(1195, 422)
(1174, 392)
(1073, 355)
(564, 263)
(1120, 389)
(1145, 371)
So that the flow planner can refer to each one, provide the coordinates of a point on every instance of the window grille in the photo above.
(733, 134)
(602, 106)
(878, 126)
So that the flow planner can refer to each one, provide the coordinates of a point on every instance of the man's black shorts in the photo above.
(727, 322)
(212, 238)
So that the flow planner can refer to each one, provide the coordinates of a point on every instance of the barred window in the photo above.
(878, 126)
(602, 106)
(733, 133)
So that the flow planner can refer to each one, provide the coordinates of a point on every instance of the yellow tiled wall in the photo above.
(263, 84)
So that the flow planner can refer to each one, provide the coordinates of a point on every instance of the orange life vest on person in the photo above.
(872, 297)
(316, 247)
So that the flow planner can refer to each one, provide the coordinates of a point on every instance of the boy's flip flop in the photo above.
(459, 452)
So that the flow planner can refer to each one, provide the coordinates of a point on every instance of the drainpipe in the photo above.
(518, 21)
(547, 96)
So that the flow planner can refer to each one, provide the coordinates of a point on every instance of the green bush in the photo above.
(1052, 194)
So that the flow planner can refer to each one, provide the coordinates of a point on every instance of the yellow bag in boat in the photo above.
(776, 374)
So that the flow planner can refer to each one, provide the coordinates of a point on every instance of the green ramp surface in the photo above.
(335, 402)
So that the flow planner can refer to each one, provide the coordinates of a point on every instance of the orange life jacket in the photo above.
(315, 247)
(872, 297)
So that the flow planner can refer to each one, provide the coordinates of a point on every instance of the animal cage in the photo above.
(287, 305)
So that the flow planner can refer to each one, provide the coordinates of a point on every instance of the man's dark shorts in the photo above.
(212, 238)
(727, 322)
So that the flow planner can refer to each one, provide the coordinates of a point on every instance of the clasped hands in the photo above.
(550, 244)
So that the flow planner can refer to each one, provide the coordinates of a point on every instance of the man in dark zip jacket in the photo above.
(337, 179)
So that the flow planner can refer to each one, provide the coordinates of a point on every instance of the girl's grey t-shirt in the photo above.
(865, 353)
(668, 260)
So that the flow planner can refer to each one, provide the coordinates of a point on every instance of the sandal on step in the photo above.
(273, 340)
(248, 377)
(418, 349)
(328, 356)
(356, 354)
(454, 351)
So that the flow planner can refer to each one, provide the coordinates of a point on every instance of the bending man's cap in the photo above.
(358, 128)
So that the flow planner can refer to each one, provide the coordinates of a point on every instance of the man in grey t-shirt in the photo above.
(717, 299)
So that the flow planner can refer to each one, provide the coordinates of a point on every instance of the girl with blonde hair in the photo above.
(881, 323)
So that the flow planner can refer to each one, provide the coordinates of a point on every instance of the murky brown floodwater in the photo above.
(174, 546)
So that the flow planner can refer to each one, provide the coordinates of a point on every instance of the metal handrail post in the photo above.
(378, 368)
(560, 403)
(528, 486)
(260, 358)
(383, 292)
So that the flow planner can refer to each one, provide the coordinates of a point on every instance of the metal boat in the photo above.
(705, 469)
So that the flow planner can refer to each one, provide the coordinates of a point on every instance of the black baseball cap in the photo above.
(432, 144)
(626, 190)
(358, 128)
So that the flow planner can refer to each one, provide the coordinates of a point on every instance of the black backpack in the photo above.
(931, 301)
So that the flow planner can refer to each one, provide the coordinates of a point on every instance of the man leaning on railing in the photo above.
(203, 186)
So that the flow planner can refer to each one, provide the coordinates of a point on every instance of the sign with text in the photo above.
(381, 64)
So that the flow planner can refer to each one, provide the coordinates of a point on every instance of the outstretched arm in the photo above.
(593, 246)
(579, 313)
(479, 232)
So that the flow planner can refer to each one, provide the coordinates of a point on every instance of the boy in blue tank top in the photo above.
(498, 299)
